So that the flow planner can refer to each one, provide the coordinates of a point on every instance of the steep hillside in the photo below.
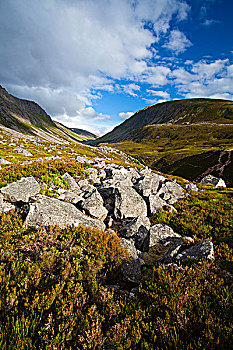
(191, 111)
(77, 134)
(29, 118)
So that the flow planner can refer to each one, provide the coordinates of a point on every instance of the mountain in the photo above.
(181, 112)
(29, 118)
(77, 134)
(178, 137)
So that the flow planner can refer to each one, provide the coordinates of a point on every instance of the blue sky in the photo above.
(92, 64)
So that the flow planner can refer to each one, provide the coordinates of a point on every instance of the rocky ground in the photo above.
(117, 198)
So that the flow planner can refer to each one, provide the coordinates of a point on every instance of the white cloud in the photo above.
(178, 42)
(163, 94)
(130, 88)
(125, 115)
(59, 52)
(157, 75)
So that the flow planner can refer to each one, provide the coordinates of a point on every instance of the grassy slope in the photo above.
(189, 129)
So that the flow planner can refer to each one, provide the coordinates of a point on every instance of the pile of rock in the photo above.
(113, 196)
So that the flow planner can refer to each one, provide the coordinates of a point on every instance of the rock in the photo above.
(129, 244)
(23, 151)
(4, 161)
(148, 185)
(135, 226)
(162, 234)
(128, 203)
(50, 211)
(21, 190)
(80, 159)
(201, 251)
(170, 192)
(212, 180)
(4, 206)
(70, 196)
(191, 187)
(92, 203)
(155, 204)
(131, 268)
(70, 181)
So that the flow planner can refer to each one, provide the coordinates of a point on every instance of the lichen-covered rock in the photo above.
(128, 203)
(21, 190)
(201, 251)
(5, 206)
(70, 196)
(191, 187)
(131, 268)
(212, 180)
(50, 211)
(135, 226)
(70, 181)
(148, 185)
(170, 192)
(162, 234)
(155, 203)
(93, 204)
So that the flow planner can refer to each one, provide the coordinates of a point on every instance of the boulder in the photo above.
(212, 180)
(135, 226)
(148, 185)
(23, 151)
(4, 161)
(128, 203)
(50, 211)
(131, 268)
(70, 196)
(201, 251)
(70, 181)
(191, 187)
(21, 190)
(93, 204)
(155, 204)
(4, 206)
(80, 159)
(162, 234)
(170, 192)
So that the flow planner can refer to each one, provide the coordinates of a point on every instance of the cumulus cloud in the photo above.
(131, 88)
(125, 115)
(163, 94)
(177, 42)
(55, 51)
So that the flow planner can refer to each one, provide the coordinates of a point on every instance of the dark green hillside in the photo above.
(20, 114)
(190, 111)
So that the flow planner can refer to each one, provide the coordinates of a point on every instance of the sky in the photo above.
(92, 64)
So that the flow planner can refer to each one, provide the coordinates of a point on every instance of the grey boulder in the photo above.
(212, 180)
(128, 203)
(50, 211)
(92, 203)
(21, 190)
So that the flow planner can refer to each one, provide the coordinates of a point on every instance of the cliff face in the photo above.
(191, 111)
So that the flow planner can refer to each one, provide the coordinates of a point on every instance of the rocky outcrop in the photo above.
(21, 190)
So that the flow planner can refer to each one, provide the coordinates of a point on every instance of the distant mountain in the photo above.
(188, 138)
(181, 112)
(29, 118)
(84, 133)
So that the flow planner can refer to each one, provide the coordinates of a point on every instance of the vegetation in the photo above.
(56, 284)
